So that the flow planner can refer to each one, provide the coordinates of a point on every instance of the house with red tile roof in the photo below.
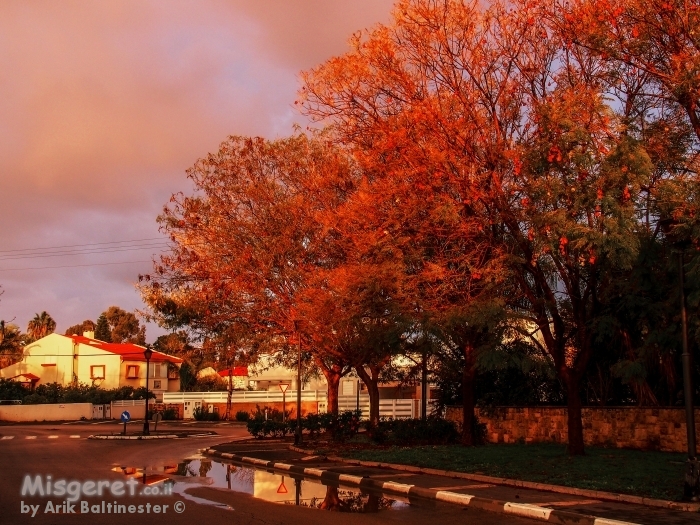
(83, 359)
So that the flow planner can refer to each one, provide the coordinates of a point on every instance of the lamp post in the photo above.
(283, 388)
(148, 353)
(691, 488)
(297, 434)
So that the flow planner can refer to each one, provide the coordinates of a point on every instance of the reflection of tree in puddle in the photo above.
(184, 468)
(242, 474)
(350, 501)
(204, 467)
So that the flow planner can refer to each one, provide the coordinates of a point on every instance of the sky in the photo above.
(104, 105)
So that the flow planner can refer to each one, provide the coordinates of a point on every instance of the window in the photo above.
(97, 372)
(132, 371)
(156, 384)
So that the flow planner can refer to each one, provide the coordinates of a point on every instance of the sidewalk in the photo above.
(553, 507)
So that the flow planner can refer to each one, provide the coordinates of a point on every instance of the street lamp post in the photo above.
(148, 353)
(283, 388)
(297, 434)
(691, 487)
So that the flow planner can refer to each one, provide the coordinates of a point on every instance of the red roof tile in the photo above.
(128, 351)
(28, 375)
(240, 371)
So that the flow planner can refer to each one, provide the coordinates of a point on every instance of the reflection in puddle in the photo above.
(279, 488)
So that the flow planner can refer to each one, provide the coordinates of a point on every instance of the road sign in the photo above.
(126, 416)
(157, 417)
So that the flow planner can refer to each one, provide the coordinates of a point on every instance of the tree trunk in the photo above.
(333, 380)
(333, 374)
(332, 500)
(574, 422)
(372, 384)
(468, 374)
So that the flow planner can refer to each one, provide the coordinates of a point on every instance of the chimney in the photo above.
(89, 334)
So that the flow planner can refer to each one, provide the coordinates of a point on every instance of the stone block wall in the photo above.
(622, 427)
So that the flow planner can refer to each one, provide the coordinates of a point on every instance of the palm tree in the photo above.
(11, 344)
(41, 326)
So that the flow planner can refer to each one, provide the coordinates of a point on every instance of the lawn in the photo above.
(649, 474)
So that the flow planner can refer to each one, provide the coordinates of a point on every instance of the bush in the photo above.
(478, 432)
(432, 431)
(345, 425)
(201, 414)
(341, 427)
(242, 415)
(169, 414)
(81, 393)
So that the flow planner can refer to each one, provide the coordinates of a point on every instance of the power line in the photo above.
(81, 245)
(69, 266)
(84, 251)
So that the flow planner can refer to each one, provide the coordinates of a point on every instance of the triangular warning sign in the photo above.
(282, 489)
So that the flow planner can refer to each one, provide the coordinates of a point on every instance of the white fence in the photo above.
(243, 396)
(128, 402)
(396, 408)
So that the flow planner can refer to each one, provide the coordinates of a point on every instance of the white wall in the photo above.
(47, 412)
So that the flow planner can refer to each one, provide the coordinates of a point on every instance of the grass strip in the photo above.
(640, 473)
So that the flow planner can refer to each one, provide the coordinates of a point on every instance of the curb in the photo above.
(502, 507)
(162, 436)
(595, 494)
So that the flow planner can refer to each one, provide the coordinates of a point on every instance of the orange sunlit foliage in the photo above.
(508, 146)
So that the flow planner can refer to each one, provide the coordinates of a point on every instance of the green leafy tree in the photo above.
(102, 331)
(124, 326)
(78, 329)
(12, 342)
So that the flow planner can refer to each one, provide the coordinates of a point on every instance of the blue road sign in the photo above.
(126, 416)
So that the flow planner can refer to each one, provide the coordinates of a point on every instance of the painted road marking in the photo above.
(569, 503)
(3, 438)
(30, 437)
(460, 487)
(389, 476)
(53, 437)
(75, 436)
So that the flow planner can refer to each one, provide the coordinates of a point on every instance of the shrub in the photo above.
(345, 425)
(433, 431)
(201, 414)
(341, 427)
(242, 415)
(478, 432)
(169, 414)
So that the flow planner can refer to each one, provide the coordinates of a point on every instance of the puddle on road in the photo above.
(278, 488)
(267, 486)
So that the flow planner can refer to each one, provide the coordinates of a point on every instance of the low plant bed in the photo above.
(640, 473)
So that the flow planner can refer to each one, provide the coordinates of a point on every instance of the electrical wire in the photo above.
(81, 245)
(94, 251)
(69, 266)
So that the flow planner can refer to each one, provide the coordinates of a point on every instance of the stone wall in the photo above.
(621, 427)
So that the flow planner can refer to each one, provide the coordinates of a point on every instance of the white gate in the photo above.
(98, 412)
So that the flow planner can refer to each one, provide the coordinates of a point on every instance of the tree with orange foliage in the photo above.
(488, 117)
(245, 245)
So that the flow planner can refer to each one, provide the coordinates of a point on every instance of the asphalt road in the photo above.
(64, 453)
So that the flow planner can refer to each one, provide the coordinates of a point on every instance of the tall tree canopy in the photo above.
(527, 133)
(40, 326)
(124, 326)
